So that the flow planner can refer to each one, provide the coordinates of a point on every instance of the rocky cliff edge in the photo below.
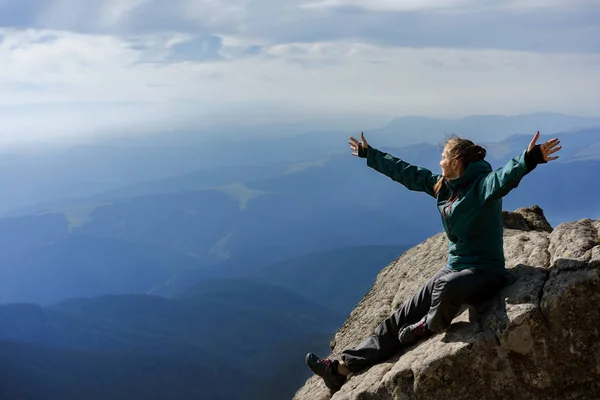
(537, 339)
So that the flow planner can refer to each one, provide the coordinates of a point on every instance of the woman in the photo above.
(469, 197)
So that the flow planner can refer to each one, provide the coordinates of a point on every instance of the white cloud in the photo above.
(455, 5)
(544, 4)
(319, 78)
(116, 11)
(111, 64)
(388, 5)
(215, 12)
(127, 15)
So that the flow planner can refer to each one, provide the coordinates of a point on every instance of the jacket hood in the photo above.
(474, 170)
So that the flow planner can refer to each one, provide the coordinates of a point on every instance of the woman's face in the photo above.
(450, 167)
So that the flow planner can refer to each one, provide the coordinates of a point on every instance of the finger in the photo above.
(364, 141)
(353, 140)
(549, 144)
(552, 158)
(547, 149)
(353, 147)
(534, 140)
(355, 153)
(552, 151)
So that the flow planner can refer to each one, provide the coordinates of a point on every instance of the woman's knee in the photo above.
(446, 289)
(385, 327)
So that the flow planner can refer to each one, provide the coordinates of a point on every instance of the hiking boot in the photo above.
(415, 332)
(326, 369)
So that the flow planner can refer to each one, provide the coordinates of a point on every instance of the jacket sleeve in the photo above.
(412, 177)
(499, 183)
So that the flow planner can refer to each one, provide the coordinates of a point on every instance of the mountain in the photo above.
(82, 266)
(325, 205)
(209, 316)
(32, 371)
(479, 128)
(85, 169)
(261, 253)
(311, 275)
(215, 340)
(335, 279)
(563, 188)
(291, 370)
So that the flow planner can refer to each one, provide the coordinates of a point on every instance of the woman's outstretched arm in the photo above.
(412, 177)
(500, 182)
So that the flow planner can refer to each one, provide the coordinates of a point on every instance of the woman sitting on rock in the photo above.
(469, 198)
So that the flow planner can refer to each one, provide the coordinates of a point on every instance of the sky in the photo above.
(74, 67)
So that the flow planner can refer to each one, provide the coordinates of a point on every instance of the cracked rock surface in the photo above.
(537, 339)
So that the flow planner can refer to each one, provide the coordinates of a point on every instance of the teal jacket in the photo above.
(471, 205)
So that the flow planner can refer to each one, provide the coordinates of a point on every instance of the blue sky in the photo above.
(73, 67)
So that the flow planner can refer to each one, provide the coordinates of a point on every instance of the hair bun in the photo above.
(480, 152)
(475, 153)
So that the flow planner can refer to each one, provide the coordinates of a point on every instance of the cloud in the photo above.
(471, 6)
(320, 77)
(154, 64)
(530, 25)
(388, 5)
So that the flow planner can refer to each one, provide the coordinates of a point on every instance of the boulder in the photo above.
(537, 339)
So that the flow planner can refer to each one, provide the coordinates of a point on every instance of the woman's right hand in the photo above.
(546, 149)
(359, 149)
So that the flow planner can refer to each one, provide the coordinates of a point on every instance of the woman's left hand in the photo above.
(547, 148)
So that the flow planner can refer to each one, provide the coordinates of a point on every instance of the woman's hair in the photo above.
(462, 150)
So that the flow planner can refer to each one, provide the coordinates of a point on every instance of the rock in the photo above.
(537, 339)
(526, 218)
(576, 244)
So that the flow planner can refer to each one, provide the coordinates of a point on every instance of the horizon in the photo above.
(262, 130)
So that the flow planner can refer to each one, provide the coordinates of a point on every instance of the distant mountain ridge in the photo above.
(213, 341)
(83, 266)
(71, 374)
(83, 171)
(311, 275)
(479, 128)
(321, 206)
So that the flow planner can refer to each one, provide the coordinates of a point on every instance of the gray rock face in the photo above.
(537, 339)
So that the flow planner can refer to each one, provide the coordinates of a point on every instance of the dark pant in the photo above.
(440, 299)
